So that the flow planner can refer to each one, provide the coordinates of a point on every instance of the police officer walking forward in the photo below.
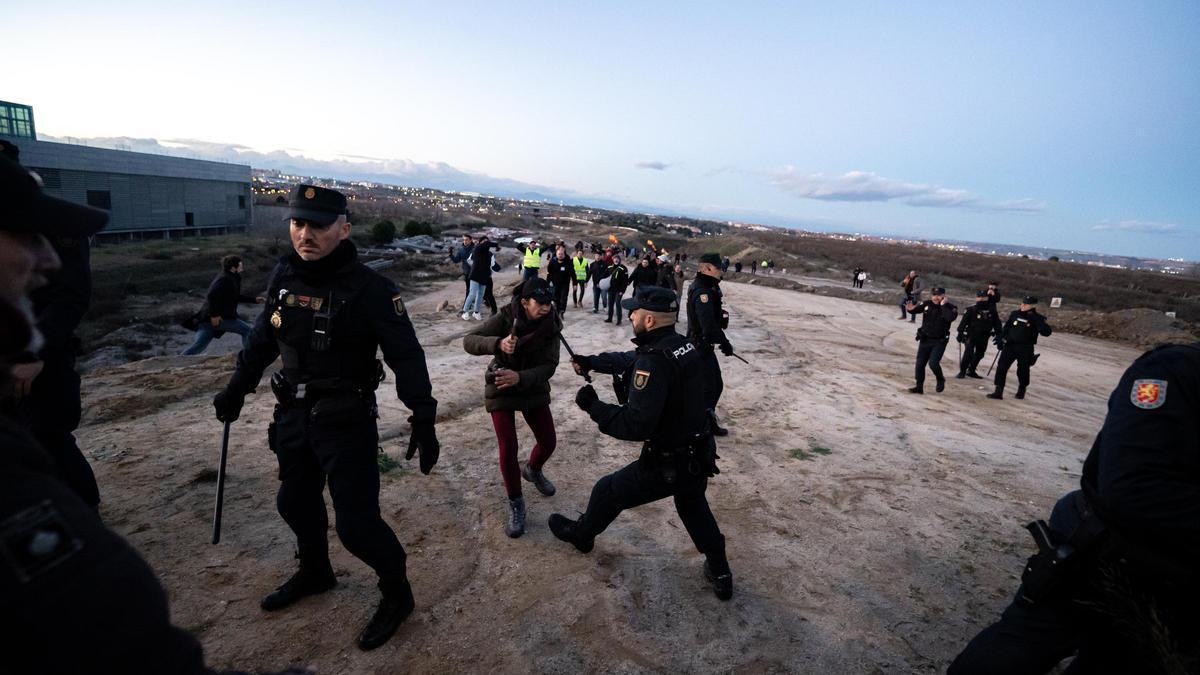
(664, 408)
(1016, 342)
(933, 336)
(706, 324)
(326, 315)
(979, 322)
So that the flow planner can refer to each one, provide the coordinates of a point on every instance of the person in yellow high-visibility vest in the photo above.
(580, 263)
(532, 264)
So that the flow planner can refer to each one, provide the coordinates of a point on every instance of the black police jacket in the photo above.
(74, 597)
(326, 319)
(704, 312)
(1023, 328)
(979, 321)
(936, 320)
(665, 404)
(1142, 475)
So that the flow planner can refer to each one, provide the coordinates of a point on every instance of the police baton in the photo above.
(740, 359)
(989, 372)
(216, 538)
(572, 353)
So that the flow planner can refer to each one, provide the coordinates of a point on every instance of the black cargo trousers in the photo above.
(334, 439)
(640, 483)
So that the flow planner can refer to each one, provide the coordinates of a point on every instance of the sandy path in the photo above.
(883, 555)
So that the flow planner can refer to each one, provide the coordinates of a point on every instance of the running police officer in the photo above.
(1016, 342)
(979, 322)
(664, 408)
(326, 315)
(1115, 580)
(706, 324)
(933, 336)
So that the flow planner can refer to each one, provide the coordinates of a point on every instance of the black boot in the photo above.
(571, 532)
(515, 526)
(309, 580)
(1020, 392)
(974, 375)
(722, 584)
(538, 479)
(941, 385)
(960, 376)
(996, 395)
(916, 390)
(717, 429)
(394, 607)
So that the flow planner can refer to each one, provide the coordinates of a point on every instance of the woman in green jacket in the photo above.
(523, 339)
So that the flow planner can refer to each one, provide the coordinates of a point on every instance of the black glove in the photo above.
(962, 338)
(585, 363)
(726, 348)
(229, 405)
(424, 438)
(586, 397)
(998, 341)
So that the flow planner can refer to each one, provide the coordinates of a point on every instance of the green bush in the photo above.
(383, 232)
(415, 227)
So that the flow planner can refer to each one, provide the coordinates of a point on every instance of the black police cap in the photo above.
(937, 290)
(711, 258)
(318, 205)
(981, 293)
(1029, 300)
(652, 298)
(25, 208)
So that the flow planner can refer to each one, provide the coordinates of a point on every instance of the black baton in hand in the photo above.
(572, 353)
(989, 372)
(740, 359)
(220, 487)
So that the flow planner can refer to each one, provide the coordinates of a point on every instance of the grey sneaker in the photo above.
(538, 479)
(515, 526)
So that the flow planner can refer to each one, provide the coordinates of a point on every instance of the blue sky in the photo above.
(1057, 124)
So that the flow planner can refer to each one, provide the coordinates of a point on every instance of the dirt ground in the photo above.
(869, 530)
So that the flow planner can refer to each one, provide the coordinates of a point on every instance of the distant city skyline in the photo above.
(1071, 126)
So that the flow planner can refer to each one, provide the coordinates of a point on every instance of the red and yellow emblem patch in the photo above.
(704, 297)
(640, 379)
(1148, 394)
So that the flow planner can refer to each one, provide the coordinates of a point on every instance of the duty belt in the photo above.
(288, 393)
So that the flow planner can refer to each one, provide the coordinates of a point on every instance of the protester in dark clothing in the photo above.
(993, 294)
(463, 256)
(523, 339)
(618, 280)
(933, 336)
(480, 276)
(222, 300)
(597, 271)
(737, 267)
(911, 285)
(559, 272)
(724, 264)
(1016, 342)
(645, 274)
(670, 277)
(979, 323)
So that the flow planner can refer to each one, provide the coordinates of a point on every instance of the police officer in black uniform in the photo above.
(979, 323)
(326, 315)
(1016, 342)
(664, 408)
(74, 596)
(933, 336)
(1116, 579)
(706, 323)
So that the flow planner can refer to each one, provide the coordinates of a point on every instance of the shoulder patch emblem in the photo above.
(398, 305)
(1148, 394)
(36, 540)
(704, 297)
(640, 379)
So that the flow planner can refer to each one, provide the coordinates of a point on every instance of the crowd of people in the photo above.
(1114, 580)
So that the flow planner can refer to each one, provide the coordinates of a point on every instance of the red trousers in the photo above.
(541, 422)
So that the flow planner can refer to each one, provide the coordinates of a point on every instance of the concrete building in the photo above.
(149, 196)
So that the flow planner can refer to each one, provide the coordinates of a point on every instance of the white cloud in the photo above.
(1143, 226)
(864, 186)
(652, 164)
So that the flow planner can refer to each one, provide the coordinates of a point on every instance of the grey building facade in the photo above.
(148, 196)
